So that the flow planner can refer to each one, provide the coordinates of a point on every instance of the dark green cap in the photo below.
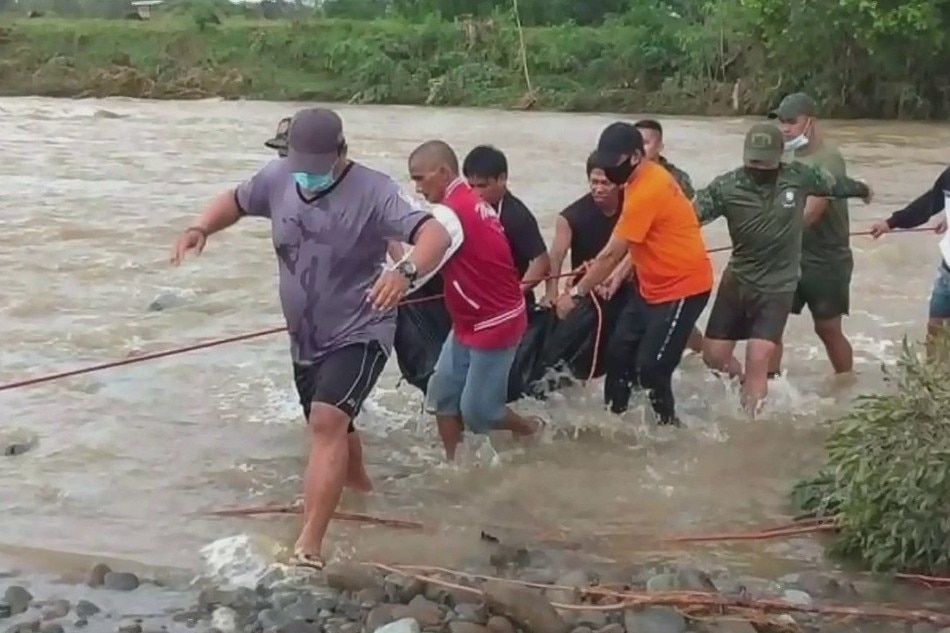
(795, 105)
(764, 146)
(279, 142)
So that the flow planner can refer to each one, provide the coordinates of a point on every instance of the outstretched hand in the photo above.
(191, 239)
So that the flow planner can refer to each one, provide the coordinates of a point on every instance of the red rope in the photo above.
(274, 330)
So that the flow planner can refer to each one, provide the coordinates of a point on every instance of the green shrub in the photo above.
(887, 477)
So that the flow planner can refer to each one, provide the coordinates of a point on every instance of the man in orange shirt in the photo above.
(674, 277)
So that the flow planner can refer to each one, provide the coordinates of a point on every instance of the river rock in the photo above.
(582, 629)
(18, 598)
(422, 610)
(349, 576)
(405, 625)
(370, 596)
(241, 599)
(121, 581)
(28, 626)
(459, 626)
(351, 627)
(401, 589)
(306, 607)
(271, 619)
(470, 612)
(97, 575)
(819, 584)
(611, 628)
(654, 620)
(51, 627)
(16, 448)
(56, 609)
(500, 624)
(796, 597)
(527, 608)
(379, 616)
(129, 626)
(300, 626)
(732, 626)
(164, 301)
(84, 609)
(596, 620)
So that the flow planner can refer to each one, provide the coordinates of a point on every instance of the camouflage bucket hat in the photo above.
(279, 142)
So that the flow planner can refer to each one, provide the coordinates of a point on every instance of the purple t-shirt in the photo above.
(330, 251)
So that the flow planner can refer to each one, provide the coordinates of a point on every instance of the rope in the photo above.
(26, 382)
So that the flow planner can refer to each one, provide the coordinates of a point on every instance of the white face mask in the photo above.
(798, 142)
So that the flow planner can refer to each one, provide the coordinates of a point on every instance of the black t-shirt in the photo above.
(522, 231)
(590, 229)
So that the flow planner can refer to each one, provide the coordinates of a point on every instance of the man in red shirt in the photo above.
(484, 298)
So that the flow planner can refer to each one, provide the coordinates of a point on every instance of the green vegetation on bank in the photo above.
(671, 56)
(887, 478)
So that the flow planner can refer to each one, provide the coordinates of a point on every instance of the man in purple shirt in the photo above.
(330, 220)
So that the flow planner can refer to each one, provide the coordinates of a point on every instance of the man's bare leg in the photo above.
(324, 477)
(521, 427)
(758, 356)
(775, 363)
(450, 430)
(837, 345)
(718, 356)
(695, 343)
(356, 476)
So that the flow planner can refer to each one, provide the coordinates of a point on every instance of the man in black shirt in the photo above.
(927, 205)
(486, 170)
(584, 227)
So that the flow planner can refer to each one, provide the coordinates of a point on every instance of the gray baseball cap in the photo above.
(795, 105)
(314, 140)
(763, 147)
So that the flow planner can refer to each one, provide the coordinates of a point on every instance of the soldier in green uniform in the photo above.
(652, 133)
(827, 262)
(279, 142)
(763, 203)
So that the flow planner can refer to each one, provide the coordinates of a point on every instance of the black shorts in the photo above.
(825, 290)
(740, 313)
(343, 378)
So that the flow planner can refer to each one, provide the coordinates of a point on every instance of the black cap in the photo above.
(617, 140)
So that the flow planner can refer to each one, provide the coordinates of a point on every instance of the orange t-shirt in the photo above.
(666, 244)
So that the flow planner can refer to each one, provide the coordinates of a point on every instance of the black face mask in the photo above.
(761, 176)
(619, 174)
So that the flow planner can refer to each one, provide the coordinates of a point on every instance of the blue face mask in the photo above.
(313, 182)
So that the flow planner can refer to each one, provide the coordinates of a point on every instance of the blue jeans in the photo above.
(940, 295)
(472, 383)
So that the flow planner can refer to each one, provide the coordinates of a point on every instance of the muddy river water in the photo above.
(127, 460)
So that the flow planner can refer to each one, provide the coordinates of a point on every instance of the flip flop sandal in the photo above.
(309, 561)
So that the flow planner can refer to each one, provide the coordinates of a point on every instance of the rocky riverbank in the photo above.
(357, 598)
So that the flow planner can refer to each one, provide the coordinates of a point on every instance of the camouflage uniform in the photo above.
(827, 262)
(681, 177)
(765, 222)
(279, 142)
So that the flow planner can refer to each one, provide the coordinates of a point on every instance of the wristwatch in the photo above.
(408, 270)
